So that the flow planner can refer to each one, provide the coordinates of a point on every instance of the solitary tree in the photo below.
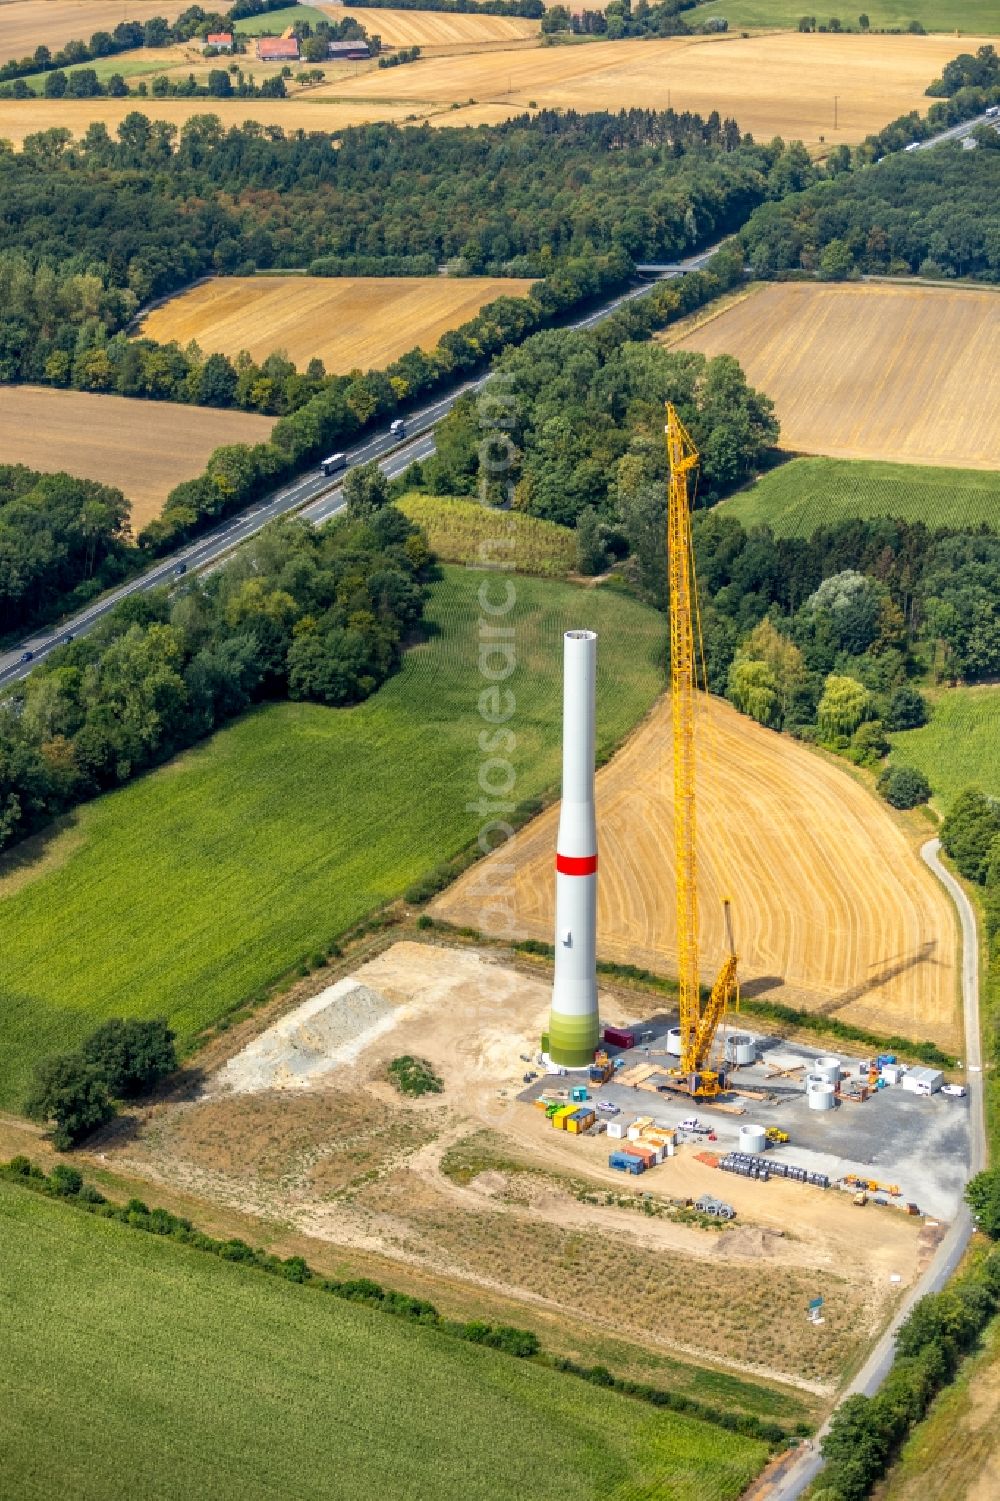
(366, 490)
(845, 703)
(903, 786)
(982, 1194)
(73, 1095)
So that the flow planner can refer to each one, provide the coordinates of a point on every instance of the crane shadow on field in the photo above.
(760, 985)
(891, 969)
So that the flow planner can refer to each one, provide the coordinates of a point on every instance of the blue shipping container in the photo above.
(624, 1162)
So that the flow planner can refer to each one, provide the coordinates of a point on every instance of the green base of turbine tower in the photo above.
(573, 1039)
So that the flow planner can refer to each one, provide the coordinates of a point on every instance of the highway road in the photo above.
(958, 132)
(313, 495)
(803, 1471)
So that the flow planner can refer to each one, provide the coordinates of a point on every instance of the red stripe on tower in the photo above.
(576, 865)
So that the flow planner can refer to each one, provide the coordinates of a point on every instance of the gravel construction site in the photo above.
(301, 1126)
(919, 1144)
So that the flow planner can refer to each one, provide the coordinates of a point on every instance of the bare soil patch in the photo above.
(344, 1160)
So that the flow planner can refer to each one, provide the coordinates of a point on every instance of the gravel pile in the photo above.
(322, 1034)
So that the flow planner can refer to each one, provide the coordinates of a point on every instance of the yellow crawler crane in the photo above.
(698, 1028)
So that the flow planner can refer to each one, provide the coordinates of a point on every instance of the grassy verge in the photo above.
(797, 497)
(203, 883)
(463, 531)
(233, 1384)
(960, 746)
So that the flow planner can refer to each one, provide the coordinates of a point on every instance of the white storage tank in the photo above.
(822, 1096)
(674, 1042)
(740, 1049)
(827, 1069)
(753, 1139)
(814, 1078)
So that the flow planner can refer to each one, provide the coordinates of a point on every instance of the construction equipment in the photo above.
(601, 1070)
(776, 1136)
(872, 1185)
(698, 1028)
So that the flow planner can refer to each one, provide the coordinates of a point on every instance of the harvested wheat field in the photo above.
(864, 372)
(24, 24)
(833, 909)
(773, 85)
(142, 447)
(347, 322)
(24, 117)
(439, 30)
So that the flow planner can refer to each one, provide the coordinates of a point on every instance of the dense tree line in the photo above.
(825, 636)
(866, 1433)
(979, 70)
(584, 436)
(620, 18)
(515, 199)
(62, 541)
(934, 213)
(970, 834)
(318, 614)
(84, 83)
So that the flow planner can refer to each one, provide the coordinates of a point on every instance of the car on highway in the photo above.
(181, 569)
(397, 429)
(333, 463)
(27, 656)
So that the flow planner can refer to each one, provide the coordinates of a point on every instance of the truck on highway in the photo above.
(335, 462)
(397, 429)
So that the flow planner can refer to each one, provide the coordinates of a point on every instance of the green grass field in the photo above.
(134, 1366)
(803, 494)
(274, 22)
(463, 531)
(960, 747)
(189, 890)
(979, 17)
(143, 62)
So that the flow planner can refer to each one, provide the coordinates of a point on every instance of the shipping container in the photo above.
(580, 1120)
(625, 1162)
(619, 1037)
(562, 1115)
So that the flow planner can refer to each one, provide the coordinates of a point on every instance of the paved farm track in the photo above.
(833, 909)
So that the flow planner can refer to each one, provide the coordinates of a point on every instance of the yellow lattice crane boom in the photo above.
(698, 1028)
